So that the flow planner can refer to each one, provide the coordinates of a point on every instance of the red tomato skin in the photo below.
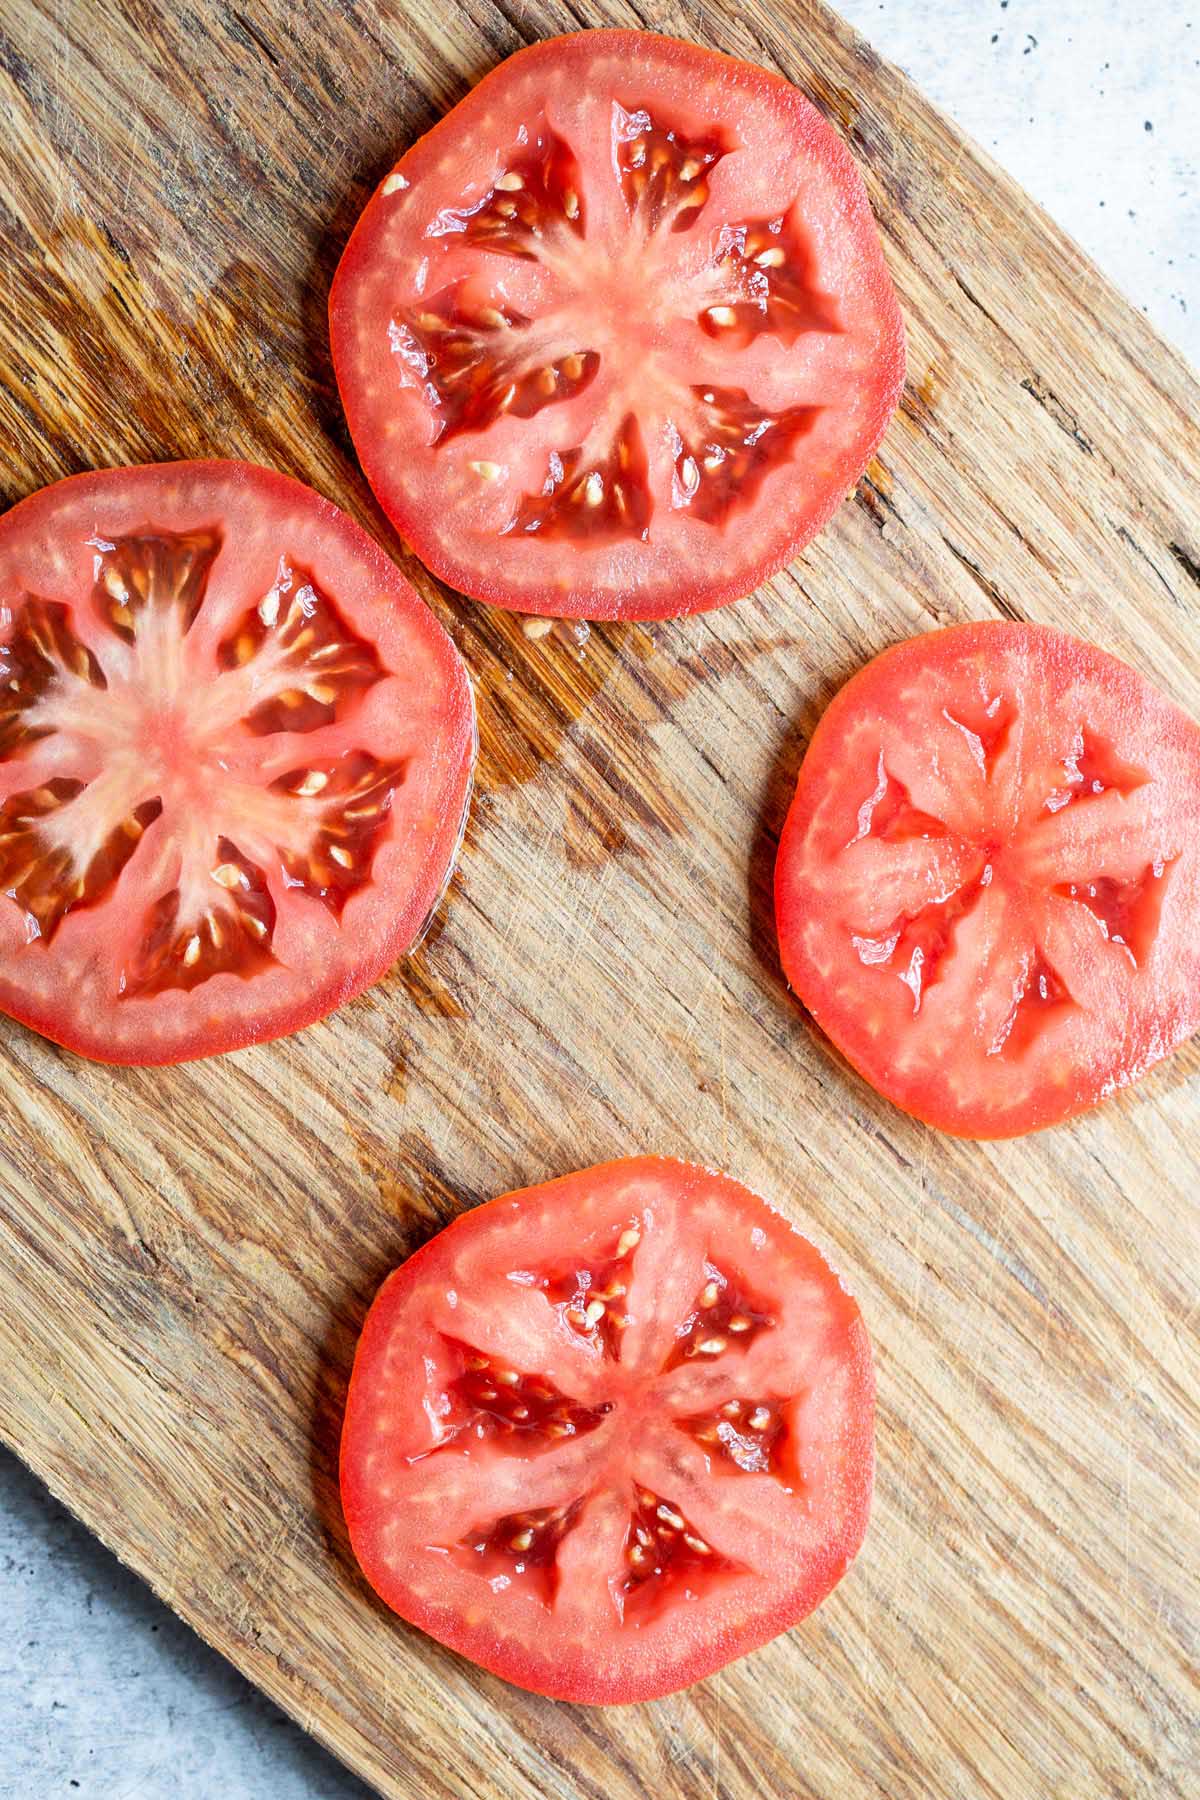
(927, 1102)
(215, 1037)
(551, 601)
(482, 1641)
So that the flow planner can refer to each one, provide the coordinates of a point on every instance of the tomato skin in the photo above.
(777, 531)
(341, 552)
(966, 1085)
(548, 1661)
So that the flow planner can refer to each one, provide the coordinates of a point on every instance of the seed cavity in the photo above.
(295, 626)
(493, 1400)
(721, 1318)
(607, 496)
(534, 201)
(180, 949)
(663, 173)
(475, 364)
(727, 447)
(349, 817)
(768, 269)
(662, 1550)
(152, 573)
(743, 1436)
(40, 655)
(521, 1547)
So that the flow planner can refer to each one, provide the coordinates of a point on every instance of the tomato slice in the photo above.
(615, 338)
(606, 1434)
(989, 880)
(235, 757)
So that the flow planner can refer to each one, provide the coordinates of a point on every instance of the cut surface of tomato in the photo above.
(988, 885)
(616, 336)
(606, 1434)
(235, 757)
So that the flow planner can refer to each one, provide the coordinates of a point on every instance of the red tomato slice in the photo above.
(235, 756)
(616, 337)
(988, 885)
(606, 1434)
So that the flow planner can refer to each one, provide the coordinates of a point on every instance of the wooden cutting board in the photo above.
(186, 1255)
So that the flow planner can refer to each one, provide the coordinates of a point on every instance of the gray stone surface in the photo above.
(1091, 104)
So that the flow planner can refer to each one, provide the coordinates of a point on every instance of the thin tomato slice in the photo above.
(606, 1434)
(988, 885)
(616, 337)
(235, 756)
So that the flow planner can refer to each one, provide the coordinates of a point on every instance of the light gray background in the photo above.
(1092, 105)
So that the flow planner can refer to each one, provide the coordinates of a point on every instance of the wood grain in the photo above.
(186, 1255)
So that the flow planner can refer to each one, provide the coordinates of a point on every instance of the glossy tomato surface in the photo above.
(616, 336)
(606, 1434)
(235, 756)
(988, 885)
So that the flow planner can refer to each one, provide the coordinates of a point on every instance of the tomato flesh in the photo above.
(988, 882)
(235, 754)
(606, 1434)
(616, 337)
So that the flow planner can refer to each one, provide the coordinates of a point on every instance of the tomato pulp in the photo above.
(616, 336)
(235, 757)
(988, 885)
(606, 1434)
